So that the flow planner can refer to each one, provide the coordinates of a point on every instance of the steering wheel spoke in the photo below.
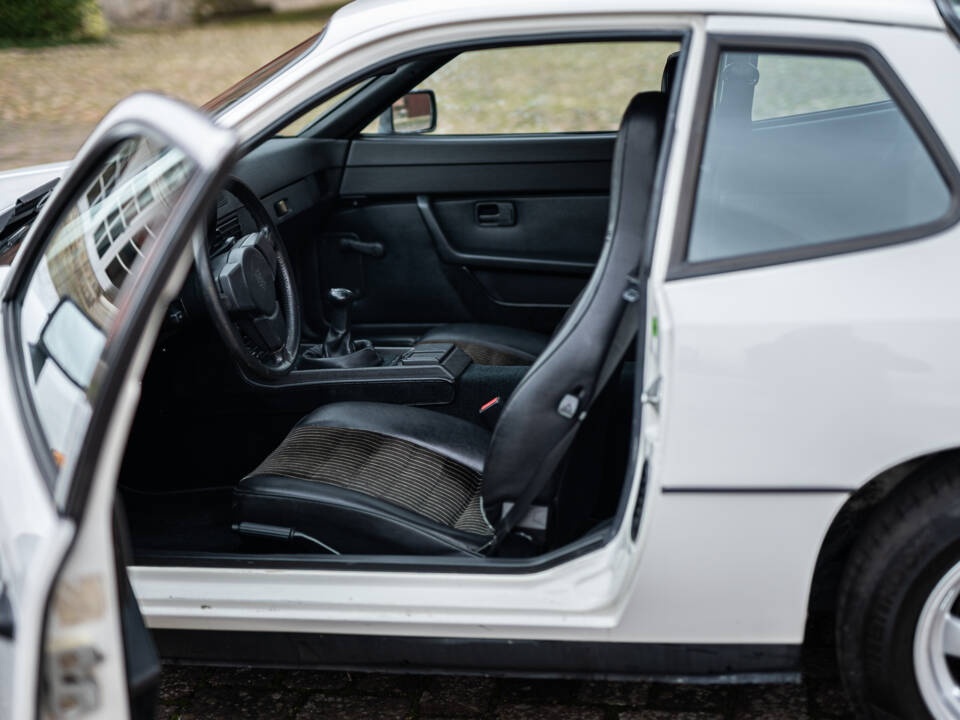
(251, 294)
(268, 331)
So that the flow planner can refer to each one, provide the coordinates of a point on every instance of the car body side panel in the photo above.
(821, 373)
(699, 575)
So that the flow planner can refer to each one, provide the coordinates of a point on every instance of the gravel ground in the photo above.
(51, 98)
(196, 693)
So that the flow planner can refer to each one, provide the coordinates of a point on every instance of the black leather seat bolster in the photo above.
(524, 344)
(347, 521)
(451, 437)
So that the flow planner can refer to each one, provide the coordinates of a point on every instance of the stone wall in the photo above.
(141, 13)
(132, 13)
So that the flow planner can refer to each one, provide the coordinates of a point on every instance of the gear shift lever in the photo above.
(337, 342)
(338, 350)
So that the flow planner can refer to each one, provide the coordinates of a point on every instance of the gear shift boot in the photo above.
(363, 356)
(338, 350)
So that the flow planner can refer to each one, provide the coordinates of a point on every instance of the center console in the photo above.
(425, 374)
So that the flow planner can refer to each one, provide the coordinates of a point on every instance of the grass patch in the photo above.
(42, 23)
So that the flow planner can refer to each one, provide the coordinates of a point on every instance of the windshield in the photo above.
(260, 76)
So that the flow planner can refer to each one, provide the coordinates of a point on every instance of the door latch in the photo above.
(651, 394)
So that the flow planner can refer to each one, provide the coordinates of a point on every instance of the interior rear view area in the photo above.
(411, 328)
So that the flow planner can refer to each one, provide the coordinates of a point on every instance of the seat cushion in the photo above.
(374, 478)
(490, 344)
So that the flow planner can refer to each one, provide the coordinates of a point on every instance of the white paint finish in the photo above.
(824, 372)
(15, 183)
(702, 575)
(818, 373)
(728, 567)
(563, 601)
(369, 15)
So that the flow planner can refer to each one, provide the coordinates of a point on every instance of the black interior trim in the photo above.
(634, 459)
(500, 657)
(760, 490)
(679, 268)
(373, 563)
(374, 150)
(449, 254)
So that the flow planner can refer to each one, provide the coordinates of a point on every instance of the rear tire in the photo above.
(897, 597)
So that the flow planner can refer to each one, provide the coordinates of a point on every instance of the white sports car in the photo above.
(607, 339)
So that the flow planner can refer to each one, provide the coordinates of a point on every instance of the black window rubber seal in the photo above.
(951, 15)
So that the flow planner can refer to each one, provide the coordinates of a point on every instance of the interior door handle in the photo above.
(495, 214)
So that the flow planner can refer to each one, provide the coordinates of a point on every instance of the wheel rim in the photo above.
(937, 639)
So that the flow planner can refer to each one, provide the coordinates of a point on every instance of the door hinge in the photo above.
(71, 687)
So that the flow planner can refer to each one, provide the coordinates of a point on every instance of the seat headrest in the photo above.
(669, 73)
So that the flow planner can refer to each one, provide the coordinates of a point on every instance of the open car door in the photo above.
(81, 311)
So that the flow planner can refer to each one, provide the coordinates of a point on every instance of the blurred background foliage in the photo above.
(30, 22)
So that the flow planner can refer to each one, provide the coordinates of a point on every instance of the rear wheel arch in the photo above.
(843, 532)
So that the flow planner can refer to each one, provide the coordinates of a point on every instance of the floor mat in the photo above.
(196, 520)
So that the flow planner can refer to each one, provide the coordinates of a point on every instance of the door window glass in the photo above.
(802, 150)
(89, 262)
(559, 88)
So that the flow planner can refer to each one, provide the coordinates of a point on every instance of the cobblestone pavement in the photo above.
(197, 693)
(51, 98)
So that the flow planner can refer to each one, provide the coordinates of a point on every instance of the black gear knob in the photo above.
(338, 297)
(338, 302)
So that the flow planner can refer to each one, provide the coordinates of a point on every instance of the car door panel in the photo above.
(427, 201)
(149, 171)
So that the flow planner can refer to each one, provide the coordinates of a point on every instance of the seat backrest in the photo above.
(543, 414)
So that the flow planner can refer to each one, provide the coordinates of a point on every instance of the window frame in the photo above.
(679, 267)
(601, 39)
(445, 52)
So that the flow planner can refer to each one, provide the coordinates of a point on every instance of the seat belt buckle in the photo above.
(490, 412)
(490, 404)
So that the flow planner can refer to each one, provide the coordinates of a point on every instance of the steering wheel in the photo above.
(250, 291)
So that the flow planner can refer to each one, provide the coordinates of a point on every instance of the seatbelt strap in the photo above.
(522, 504)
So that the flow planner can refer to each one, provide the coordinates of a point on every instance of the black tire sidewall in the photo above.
(883, 603)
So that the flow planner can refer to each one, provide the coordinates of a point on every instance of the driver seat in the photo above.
(377, 478)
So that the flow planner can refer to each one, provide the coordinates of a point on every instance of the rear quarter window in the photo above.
(803, 150)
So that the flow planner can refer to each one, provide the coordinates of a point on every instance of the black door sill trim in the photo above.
(730, 663)
(377, 563)
(759, 490)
